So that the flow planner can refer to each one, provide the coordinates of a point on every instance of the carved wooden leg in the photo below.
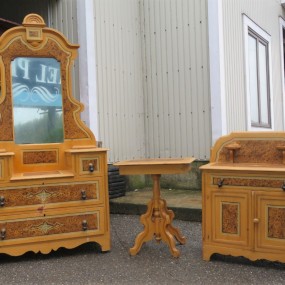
(147, 233)
(157, 223)
(177, 234)
(173, 230)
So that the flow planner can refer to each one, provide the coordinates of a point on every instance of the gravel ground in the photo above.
(153, 265)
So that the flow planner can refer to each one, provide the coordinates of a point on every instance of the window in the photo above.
(258, 80)
(257, 49)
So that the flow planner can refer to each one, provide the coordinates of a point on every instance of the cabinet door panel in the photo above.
(230, 217)
(271, 217)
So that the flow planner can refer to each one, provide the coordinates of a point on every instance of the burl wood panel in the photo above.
(34, 157)
(51, 49)
(230, 214)
(249, 182)
(254, 151)
(49, 226)
(276, 222)
(49, 194)
(86, 162)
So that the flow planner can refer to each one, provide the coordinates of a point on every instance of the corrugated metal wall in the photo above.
(176, 80)
(152, 69)
(119, 78)
(63, 17)
(265, 13)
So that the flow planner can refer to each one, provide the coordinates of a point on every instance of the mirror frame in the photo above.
(34, 39)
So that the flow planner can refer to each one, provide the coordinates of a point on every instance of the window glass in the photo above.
(253, 79)
(258, 80)
(263, 85)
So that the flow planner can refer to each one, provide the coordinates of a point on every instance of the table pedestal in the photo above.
(157, 223)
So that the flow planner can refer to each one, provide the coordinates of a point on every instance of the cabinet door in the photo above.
(270, 221)
(230, 217)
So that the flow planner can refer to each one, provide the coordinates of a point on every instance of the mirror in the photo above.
(37, 100)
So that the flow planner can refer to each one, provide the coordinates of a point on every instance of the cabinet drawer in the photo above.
(63, 224)
(259, 182)
(44, 194)
(89, 164)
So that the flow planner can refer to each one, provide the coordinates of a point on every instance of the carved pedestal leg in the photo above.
(157, 223)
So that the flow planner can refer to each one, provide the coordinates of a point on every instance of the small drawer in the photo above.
(89, 165)
(23, 196)
(259, 182)
(62, 224)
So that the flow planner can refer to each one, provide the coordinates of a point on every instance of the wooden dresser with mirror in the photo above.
(53, 177)
(243, 190)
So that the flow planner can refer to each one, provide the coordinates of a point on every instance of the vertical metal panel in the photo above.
(119, 77)
(176, 78)
(265, 13)
(62, 16)
(152, 75)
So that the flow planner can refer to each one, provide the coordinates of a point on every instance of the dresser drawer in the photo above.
(90, 164)
(240, 181)
(44, 194)
(63, 224)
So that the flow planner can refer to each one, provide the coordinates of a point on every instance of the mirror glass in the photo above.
(37, 100)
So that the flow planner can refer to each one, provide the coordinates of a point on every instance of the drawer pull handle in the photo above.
(220, 183)
(84, 225)
(283, 187)
(2, 201)
(256, 220)
(91, 167)
(83, 195)
(3, 233)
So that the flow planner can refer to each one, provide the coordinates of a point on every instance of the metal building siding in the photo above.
(152, 75)
(265, 13)
(63, 17)
(119, 77)
(175, 48)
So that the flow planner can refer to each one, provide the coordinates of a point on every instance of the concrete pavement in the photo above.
(154, 264)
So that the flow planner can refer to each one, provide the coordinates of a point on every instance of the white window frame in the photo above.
(248, 23)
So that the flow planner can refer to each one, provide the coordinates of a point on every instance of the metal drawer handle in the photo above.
(84, 225)
(221, 183)
(2, 201)
(283, 186)
(3, 233)
(91, 167)
(83, 195)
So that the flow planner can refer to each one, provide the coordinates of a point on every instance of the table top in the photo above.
(155, 166)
